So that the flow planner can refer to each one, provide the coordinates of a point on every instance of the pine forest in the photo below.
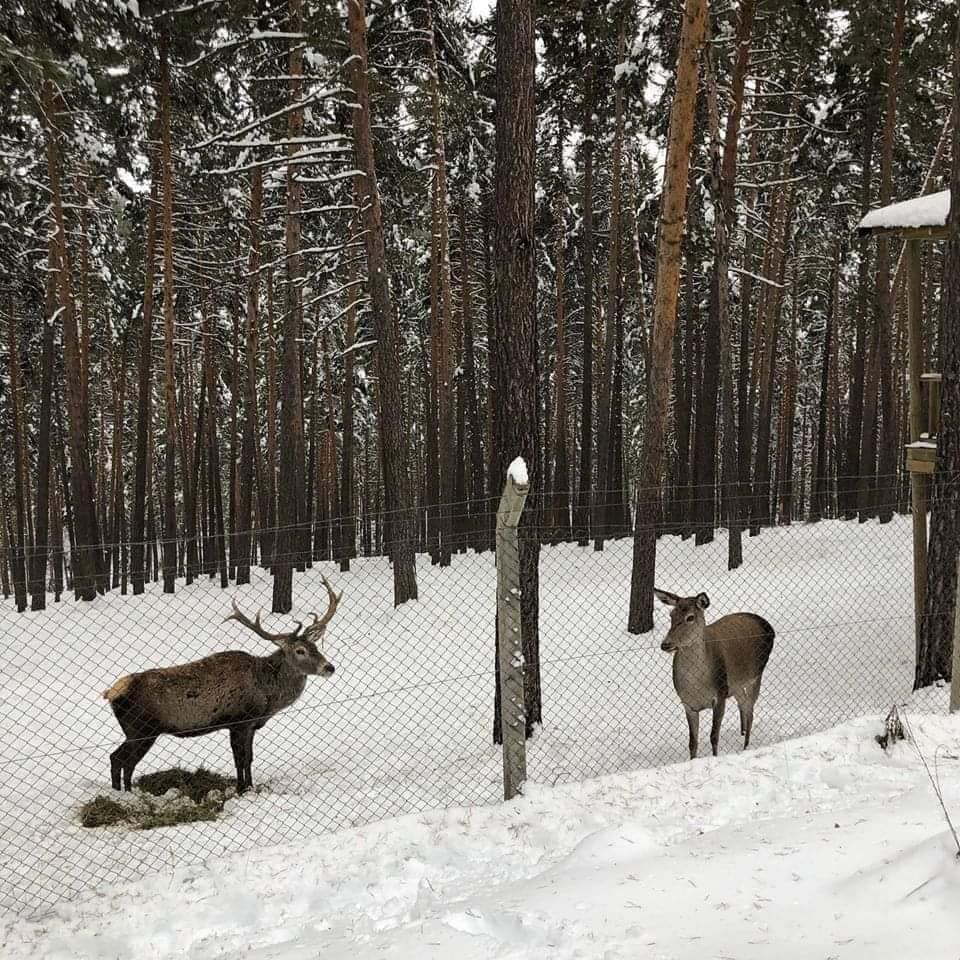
(293, 281)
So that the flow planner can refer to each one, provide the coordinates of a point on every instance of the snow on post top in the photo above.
(928, 211)
(517, 471)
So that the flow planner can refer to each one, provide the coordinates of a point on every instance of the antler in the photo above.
(256, 626)
(320, 623)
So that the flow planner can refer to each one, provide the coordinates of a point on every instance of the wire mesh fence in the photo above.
(405, 723)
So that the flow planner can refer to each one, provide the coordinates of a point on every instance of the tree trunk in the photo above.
(685, 372)
(618, 510)
(819, 499)
(888, 447)
(235, 390)
(38, 565)
(442, 333)
(584, 495)
(217, 519)
(317, 507)
(516, 357)
(194, 430)
(331, 471)
(169, 478)
(723, 174)
(781, 232)
(393, 433)
(468, 387)
(430, 398)
(64, 483)
(249, 474)
(290, 504)
(493, 494)
(559, 524)
(719, 327)
(269, 533)
(785, 435)
(867, 479)
(851, 469)
(118, 533)
(87, 558)
(348, 518)
(744, 379)
(138, 544)
(605, 483)
(5, 548)
(18, 558)
(669, 240)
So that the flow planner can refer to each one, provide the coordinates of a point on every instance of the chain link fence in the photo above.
(405, 723)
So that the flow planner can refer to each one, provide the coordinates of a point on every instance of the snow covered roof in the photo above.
(927, 214)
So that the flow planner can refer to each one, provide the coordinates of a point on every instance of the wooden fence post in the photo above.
(955, 675)
(510, 653)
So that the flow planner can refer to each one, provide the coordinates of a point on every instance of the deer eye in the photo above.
(689, 618)
(301, 652)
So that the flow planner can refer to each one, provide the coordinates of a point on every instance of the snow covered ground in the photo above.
(821, 847)
(403, 727)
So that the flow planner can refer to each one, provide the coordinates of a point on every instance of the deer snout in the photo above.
(668, 645)
(328, 670)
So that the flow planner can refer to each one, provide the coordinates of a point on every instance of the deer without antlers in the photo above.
(712, 662)
(232, 690)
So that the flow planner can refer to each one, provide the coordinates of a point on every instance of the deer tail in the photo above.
(119, 689)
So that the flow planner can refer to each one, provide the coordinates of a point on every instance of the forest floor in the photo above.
(404, 725)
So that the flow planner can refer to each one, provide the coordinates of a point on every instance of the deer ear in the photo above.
(670, 599)
(703, 601)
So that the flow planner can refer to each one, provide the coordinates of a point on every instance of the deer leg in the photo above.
(136, 751)
(239, 757)
(248, 754)
(746, 721)
(718, 709)
(116, 764)
(693, 722)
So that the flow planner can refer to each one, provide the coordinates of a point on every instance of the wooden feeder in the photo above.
(915, 221)
(922, 452)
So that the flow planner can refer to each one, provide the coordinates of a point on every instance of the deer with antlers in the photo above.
(232, 690)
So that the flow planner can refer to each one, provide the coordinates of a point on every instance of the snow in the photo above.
(403, 728)
(627, 68)
(927, 211)
(480, 9)
(826, 846)
(517, 471)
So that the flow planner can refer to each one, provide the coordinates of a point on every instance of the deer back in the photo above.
(742, 642)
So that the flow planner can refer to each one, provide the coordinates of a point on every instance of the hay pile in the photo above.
(162, 799)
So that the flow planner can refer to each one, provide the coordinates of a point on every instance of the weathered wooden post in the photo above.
(510, 640)
(955, 675)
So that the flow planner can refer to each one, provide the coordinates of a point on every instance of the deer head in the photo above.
(687, 621)
(299, 646)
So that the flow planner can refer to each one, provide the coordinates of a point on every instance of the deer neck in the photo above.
(282, 681)
(693, 673)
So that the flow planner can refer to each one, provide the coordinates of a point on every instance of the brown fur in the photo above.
(712, 662)
(743, 643)
(232, 691)
(119, 689)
